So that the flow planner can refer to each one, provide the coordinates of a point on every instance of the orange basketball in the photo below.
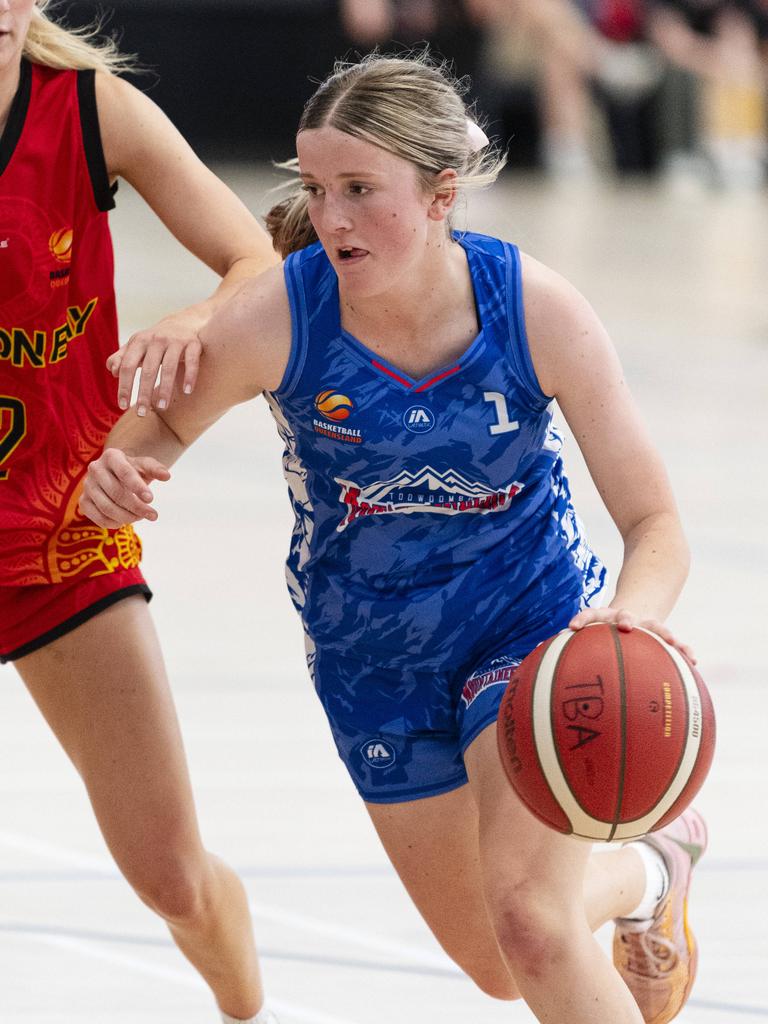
(333, 405)
(60, 244)
(606, 735)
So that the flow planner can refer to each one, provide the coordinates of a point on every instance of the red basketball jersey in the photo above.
(58, 325)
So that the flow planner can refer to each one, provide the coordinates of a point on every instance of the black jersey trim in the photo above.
(103, 192)
(76, 620)
(16, 116)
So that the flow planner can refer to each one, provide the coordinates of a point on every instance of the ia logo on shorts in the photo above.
(378, 753)
(418, 419)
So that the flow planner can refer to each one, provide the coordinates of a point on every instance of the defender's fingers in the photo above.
(108, 513)
(114, 361)
(170, 374)
(192, 354)
(151, 469)
(133, 355)
(147, 379)
(87, 508)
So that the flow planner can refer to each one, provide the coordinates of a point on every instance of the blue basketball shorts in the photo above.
(402, 733)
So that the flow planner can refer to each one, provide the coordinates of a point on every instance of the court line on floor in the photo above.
(352, 936)
(67, 938)
(265, 952)
(261, 911)
(190, 980)
(748, 1011)
(304, 922)
(99, 874)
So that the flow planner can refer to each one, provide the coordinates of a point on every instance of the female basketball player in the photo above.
(73, 614)
(411, 371)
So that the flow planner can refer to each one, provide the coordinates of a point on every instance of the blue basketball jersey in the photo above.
(432, 516)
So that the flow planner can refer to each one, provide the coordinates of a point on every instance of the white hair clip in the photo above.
(477, 138)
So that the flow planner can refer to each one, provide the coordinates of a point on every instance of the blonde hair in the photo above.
(54, 46)
(411, 107)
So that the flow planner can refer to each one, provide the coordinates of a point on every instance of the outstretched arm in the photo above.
(246, 347)
(142, 146)
(576, 362)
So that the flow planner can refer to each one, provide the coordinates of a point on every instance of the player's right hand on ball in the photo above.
(115, 490)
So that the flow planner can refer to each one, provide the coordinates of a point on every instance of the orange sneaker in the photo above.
(657, 959)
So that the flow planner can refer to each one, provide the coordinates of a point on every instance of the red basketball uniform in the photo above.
(58, 325)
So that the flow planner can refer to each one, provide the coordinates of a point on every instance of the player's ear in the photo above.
(444, 194)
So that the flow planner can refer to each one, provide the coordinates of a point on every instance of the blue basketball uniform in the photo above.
(435, 542)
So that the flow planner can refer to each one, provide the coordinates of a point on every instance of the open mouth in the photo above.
(350, 254)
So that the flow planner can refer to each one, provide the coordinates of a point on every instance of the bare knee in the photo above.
(489, 973)
(534, 932)
(179, 890)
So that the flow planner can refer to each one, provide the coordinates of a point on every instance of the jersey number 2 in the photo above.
(505, 424)
(13, 427)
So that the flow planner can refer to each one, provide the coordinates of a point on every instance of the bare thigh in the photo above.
(104, 692)
(525, 864)
(433, 845)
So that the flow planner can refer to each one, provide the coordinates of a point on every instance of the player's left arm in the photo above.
(576, 363)
(142, 146)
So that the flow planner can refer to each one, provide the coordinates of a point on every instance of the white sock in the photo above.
(264, 1016)
(656, 881)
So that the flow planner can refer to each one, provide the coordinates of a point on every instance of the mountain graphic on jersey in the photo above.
(427, 490)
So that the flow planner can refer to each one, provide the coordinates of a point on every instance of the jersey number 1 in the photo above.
(505, 424)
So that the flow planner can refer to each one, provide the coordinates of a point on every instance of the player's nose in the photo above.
(336, 215)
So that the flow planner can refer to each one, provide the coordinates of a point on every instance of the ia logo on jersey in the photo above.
(378, 753)
(418, 419)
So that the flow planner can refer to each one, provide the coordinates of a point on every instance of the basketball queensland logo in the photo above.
(448, 493)
(60, 245)
(333, 409)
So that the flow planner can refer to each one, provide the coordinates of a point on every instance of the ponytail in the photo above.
(288, 222)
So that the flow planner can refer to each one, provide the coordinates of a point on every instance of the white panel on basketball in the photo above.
(690, 753)
(582, 823)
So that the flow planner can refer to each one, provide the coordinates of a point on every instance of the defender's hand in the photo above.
(172, 348)
(115, 490)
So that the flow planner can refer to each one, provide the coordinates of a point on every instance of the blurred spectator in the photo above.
(721, 47)
(371, 22)
(447, 26)
(583, 55)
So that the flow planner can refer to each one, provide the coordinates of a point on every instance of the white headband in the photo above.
(477, 138)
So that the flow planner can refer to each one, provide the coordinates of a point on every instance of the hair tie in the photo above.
(477, 138)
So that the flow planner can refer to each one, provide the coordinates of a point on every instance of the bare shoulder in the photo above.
(116, 102)
(253, 330)
(132, 125)
(565, 335)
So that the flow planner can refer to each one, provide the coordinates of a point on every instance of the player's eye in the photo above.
(313, 190)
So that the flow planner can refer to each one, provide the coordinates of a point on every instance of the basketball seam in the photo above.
(566, 778)
(623, 731)
(683, 747)
(542, 771)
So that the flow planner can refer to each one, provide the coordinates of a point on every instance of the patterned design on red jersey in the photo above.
(58, 325)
